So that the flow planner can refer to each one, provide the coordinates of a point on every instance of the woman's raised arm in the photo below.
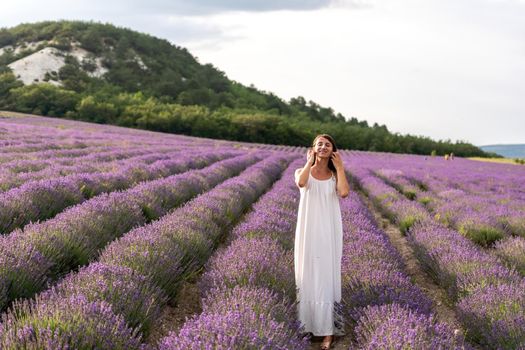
(301, 175)
(342, 186)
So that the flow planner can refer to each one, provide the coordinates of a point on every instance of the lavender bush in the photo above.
(23, 271)
(233, 330)
(258, 262)
(71, 323)
(455, 262)
(372, 270)
(395, 327)
(470, 274)
(495, 316)
(261, 300)
(512, 251)
(129, 293)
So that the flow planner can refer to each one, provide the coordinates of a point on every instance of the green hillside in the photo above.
(106, 74)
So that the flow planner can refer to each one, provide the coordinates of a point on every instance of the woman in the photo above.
(319, 239)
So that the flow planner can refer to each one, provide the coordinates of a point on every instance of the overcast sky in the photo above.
(448, 69)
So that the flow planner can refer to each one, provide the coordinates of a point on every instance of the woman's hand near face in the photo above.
(301, 175)
(310, 157)
(337, 160)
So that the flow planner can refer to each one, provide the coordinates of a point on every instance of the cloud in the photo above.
(22, 9)
(211, 6)
(156, 17)
(204, 7)
(207, 7)
(183, 30)
(176, 20)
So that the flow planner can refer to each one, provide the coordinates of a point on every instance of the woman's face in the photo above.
(323, 147)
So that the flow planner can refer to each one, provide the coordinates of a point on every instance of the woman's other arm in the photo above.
(301, 175)
(342, 186)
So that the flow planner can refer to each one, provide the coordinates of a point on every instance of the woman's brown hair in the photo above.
(331, 165)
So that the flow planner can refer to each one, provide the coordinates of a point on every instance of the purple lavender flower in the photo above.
(260, 300)
(43, 199)
(455, 262)
(495, 316)
(233, 330)
(22, 270)
(376, 286)
(512, 251)
(395, 327)
(149, 254)
(252, 262)
(71, 323)
(130, 294)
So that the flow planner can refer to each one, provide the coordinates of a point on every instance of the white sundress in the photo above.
(317, 257)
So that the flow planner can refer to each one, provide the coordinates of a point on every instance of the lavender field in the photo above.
(104, 228)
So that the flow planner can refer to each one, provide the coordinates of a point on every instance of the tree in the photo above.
(8, 81)
(89, 109)
(44, 99)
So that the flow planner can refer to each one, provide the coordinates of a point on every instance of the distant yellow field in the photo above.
(7, 114)
(495, 160)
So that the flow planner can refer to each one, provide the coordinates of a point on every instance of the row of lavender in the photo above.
(380, 301)
(43, 199)
(485, 219)
(111, 304)
(21, 137)
(45, 251)
(248, 288)
(482, 210)
(39, 133)
(52, 153)
(500, 181)
(60, 154)
(18, 172)
(98, 154)
(489, 297)
(64, 154)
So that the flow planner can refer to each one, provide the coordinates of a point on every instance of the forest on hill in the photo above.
(112, 75)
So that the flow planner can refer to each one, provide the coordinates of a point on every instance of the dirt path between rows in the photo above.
(187, 304)
(442, 306)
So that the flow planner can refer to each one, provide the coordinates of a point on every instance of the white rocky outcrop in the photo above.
(33, 67)
(85, 56)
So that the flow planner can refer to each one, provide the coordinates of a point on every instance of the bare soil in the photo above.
(187, 304)
(442, 305)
